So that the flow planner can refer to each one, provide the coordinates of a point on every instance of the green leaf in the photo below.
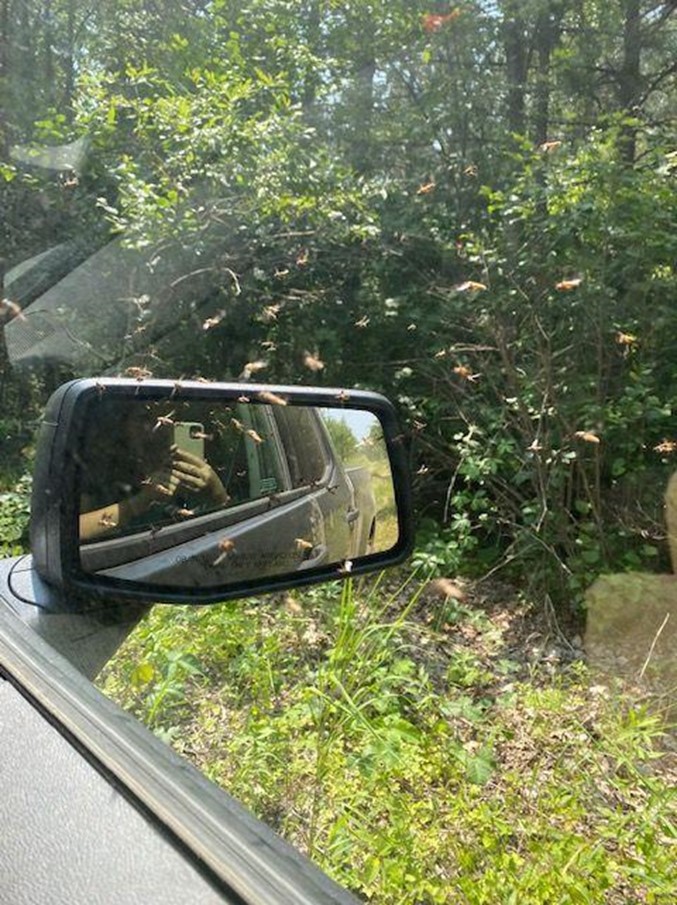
(480, 767)
(143, 674)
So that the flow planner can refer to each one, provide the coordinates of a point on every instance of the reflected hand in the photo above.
(196, 475)
(162, 483)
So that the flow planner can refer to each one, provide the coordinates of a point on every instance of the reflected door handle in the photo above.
(317, 557)
(352, 516)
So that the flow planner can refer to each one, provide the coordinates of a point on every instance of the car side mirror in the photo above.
(195, 492)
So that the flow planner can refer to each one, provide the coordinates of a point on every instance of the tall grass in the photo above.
(407, 748)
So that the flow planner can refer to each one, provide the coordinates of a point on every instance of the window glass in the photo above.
(304, 445)
(469, 206)
(264, 456)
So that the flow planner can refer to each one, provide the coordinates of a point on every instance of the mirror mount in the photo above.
(85, 633)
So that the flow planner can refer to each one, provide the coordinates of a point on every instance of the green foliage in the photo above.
(412, 765)
(444, 551)
(15, 509)
(472, 210)
(566, 393)
(346, 177)
(344, 440)
(160, 678)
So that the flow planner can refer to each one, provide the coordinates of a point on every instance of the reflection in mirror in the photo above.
(201, 493)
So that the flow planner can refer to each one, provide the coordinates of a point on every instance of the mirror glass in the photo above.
(204, 493)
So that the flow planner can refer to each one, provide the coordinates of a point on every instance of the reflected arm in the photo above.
(186, 470)
(99, 522)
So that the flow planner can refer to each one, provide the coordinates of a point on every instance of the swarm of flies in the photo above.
(271, 398)
(184, 513)
(107, 520)
(138, 373)
(464, 372)
(547, 147)
(587, 436)
(226, 546)
(164, 421)
(568, 285)
(470, 286)
(219, 426)
(214, 320)
(253, 367)
(11, 310)
(313, 362)
(426, 188)
(270, 313)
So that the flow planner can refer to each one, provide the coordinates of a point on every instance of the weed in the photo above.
(411, 765)
(15, 509)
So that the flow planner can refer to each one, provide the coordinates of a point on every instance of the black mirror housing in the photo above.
(192, 492)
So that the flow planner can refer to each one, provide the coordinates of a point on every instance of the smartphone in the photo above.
(190, 436)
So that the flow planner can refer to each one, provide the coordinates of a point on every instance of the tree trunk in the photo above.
(516, 61)
(69, 62)
(4, 73)
(364, 110)
(48, 50)
(547, 36)
(629, 77)
(312, 80)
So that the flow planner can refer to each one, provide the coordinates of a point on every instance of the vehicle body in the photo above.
(96, 808)
(79, 775)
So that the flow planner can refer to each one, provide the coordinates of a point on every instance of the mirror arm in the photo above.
(88, 637)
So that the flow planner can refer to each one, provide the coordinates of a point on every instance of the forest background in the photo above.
(469, 207)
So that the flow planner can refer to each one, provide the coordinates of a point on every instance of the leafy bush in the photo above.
(15, 508)
(551, 433)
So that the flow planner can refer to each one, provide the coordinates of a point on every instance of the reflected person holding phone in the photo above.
(141, 467)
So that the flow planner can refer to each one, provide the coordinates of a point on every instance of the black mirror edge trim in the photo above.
(231, 846)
